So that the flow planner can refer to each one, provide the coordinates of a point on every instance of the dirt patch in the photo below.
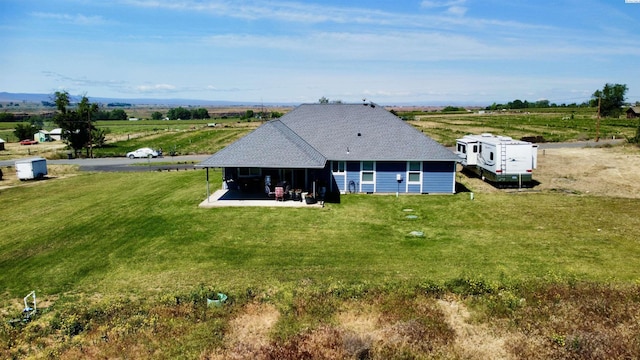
(596, 171)
(611, 172)
(249, 332)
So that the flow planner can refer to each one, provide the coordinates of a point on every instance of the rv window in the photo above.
(475, 149)
(491, 155)
(462, 148)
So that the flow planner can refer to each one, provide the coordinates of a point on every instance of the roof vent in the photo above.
(359, 134)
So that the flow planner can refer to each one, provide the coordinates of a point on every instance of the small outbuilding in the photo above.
(633, 112)
(1, 144)
(42, 136)
(56, 134)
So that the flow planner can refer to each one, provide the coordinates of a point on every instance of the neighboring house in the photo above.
(359, 148)
(633, 112)
(42, 136)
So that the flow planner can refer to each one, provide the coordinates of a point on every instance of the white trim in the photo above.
(420, 173)
(373, 182)
(340, 173)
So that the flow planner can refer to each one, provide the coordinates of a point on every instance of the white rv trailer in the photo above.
(498, 159)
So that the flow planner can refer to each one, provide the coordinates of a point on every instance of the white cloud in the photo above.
(77, 19)
(155, 88)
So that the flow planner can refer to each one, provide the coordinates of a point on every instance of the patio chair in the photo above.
(267, 190)
(279, 193)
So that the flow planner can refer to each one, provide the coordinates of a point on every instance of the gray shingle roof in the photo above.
(311, 134)
(272, 145)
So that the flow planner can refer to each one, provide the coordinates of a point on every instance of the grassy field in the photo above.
(136, 243)
(123, 265)
(552, 126)
(126, 233)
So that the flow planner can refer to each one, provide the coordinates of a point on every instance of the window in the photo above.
(248, 172)
(368, 172)
(462, 148)
(491, 155)
(338, 166)
(475, 149)
(415, 172)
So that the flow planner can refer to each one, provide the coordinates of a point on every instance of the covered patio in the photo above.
(231, 198)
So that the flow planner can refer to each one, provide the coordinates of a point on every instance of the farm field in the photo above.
(123, 264)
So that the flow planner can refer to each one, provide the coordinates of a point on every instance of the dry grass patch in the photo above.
(473, 340)
(249, 332)
(10, 178)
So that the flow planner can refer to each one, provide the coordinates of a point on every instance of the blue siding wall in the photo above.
(386, 176)
(412, 189)
(438, 177)
(340, 183)
(353, 174)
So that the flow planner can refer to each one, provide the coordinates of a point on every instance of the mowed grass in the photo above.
(138, 234)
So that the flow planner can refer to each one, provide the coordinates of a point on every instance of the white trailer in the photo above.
(498, 159)
(35, 168)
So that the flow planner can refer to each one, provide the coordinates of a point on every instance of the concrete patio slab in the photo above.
(228, 198)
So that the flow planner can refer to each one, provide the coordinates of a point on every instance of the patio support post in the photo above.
(208, 185)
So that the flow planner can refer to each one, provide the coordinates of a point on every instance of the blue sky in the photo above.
(390, 52)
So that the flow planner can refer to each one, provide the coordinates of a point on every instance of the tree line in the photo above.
(610, 101)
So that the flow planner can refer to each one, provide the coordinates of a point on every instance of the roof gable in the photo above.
(272, 145)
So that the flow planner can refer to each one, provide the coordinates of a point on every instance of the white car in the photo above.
(142, 153)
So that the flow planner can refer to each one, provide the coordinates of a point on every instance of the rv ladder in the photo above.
(503, 158)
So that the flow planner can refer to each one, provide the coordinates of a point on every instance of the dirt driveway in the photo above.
(606, 171)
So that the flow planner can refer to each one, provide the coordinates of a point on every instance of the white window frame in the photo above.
(409, 172)
(363, 171)
(344, 167)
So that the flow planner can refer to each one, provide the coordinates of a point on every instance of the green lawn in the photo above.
(140, 233)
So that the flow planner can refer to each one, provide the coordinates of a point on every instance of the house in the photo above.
(633, 112)
(344, 148)
(42, 136)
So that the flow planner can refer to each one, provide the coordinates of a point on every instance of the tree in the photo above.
(7, 117)
(24, 131)
(118, 114)
(76, 125)
(323, 100)
(248, 115)
(156, 115)
(179, 113)
(99, 137)
(611, 99)
(200, 113)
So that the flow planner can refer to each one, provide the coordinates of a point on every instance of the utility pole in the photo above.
(598, 121)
